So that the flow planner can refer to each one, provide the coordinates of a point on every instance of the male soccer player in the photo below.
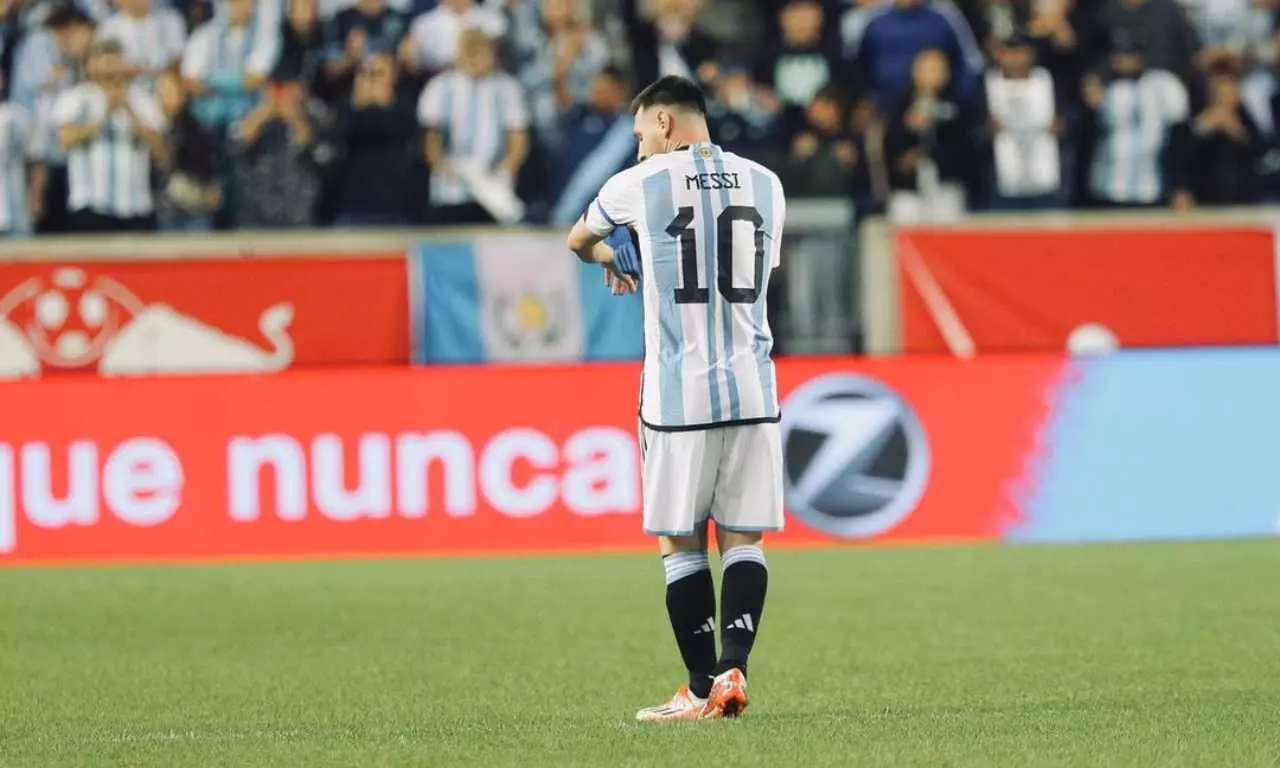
(709, 228)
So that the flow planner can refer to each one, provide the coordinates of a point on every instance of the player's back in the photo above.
(710, 230)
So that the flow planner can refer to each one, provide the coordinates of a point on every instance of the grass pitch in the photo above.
(1152, 655)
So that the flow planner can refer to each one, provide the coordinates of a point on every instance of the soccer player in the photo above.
(709, 228)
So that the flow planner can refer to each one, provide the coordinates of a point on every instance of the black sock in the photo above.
(691, 606)
(745, 582)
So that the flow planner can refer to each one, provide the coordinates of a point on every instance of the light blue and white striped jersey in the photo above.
(709, 224)
(1134, 124)
(111, 173)
(476, 116)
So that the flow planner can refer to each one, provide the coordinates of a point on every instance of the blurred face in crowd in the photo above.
(458, 6)
(608, 95)
(74, 40)
(371, 7)
(824, 114)
(931, 71)
(303, 13)
(109, 71)
(735, 88)
(557, 14)
(135, 8)
(802, 22)
(1017, 60)
(475, 53)
(864, 115)
(170, 93)
(239, 11)
(1224, 91)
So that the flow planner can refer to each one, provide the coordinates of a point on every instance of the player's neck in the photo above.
(684, 142)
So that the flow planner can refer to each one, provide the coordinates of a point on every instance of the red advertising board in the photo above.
(203, 316)
(381, 461)
(1004, 291)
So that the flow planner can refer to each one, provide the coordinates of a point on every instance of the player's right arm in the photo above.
(611, 209)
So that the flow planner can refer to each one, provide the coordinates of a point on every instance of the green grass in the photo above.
(1152, 655)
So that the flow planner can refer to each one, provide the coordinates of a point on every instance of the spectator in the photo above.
(1136, 111)
(885, 47)
(823, 156)
(112, 131)
(273, 180)
(665, 40)
(152, 38)
(435, 34)
(743, 116)
(49, 62)
(1161, 27)
(226, 64)
(929, 145)
(277, 161)
(557, 73)
(476, 120)
(1055, 29)
(15, 135)
(1226, 146)
(802, 63)
(599, 142)
(1232, 29)
(369, 27)
(376, 130)
(192, 189)
(1024, 124)
(301, 44)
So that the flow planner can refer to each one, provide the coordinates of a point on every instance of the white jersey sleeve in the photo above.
(619, 203)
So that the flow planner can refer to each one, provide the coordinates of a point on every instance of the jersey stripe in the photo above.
(660, 210)
(709, 262)
(762, 191)
(726, 308)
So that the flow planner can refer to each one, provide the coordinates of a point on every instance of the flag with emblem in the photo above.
(517, 298)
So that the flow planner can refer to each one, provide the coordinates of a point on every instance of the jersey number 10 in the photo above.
(681, 228)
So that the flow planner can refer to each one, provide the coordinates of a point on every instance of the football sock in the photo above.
(691, 606)
(745, 582)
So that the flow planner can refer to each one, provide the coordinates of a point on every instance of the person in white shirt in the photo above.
(112, 131)
(476, 120)
(1024, 125)
(152, 38)
(435, 34)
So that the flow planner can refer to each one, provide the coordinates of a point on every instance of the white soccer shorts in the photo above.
(730, 474)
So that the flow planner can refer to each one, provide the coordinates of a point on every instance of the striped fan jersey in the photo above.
(709, 225)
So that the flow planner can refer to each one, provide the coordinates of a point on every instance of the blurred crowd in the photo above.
(199, 114)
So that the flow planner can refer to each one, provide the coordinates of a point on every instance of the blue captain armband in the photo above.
(625, 255)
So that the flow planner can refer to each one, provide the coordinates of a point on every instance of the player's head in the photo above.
(669, 114)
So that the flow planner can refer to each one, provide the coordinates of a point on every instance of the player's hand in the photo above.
(619, 284)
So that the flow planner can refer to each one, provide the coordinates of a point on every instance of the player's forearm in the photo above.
(586, 244)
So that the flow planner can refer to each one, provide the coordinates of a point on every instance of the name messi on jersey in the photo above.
(717, 180)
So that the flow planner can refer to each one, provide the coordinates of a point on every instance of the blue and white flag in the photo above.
(517, 298)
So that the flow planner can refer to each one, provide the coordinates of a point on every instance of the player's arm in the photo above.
(610, 210)
(589, 246)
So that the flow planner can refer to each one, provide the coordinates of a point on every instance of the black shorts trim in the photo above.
(713, 424)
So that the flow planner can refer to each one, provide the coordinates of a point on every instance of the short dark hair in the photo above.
(65, 17)
(671, 91)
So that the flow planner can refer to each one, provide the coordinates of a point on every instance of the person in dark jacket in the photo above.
(930, 144)
(886, 49)
(670, 43)
(1226, 146)
(805, 60)
(376, 133)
